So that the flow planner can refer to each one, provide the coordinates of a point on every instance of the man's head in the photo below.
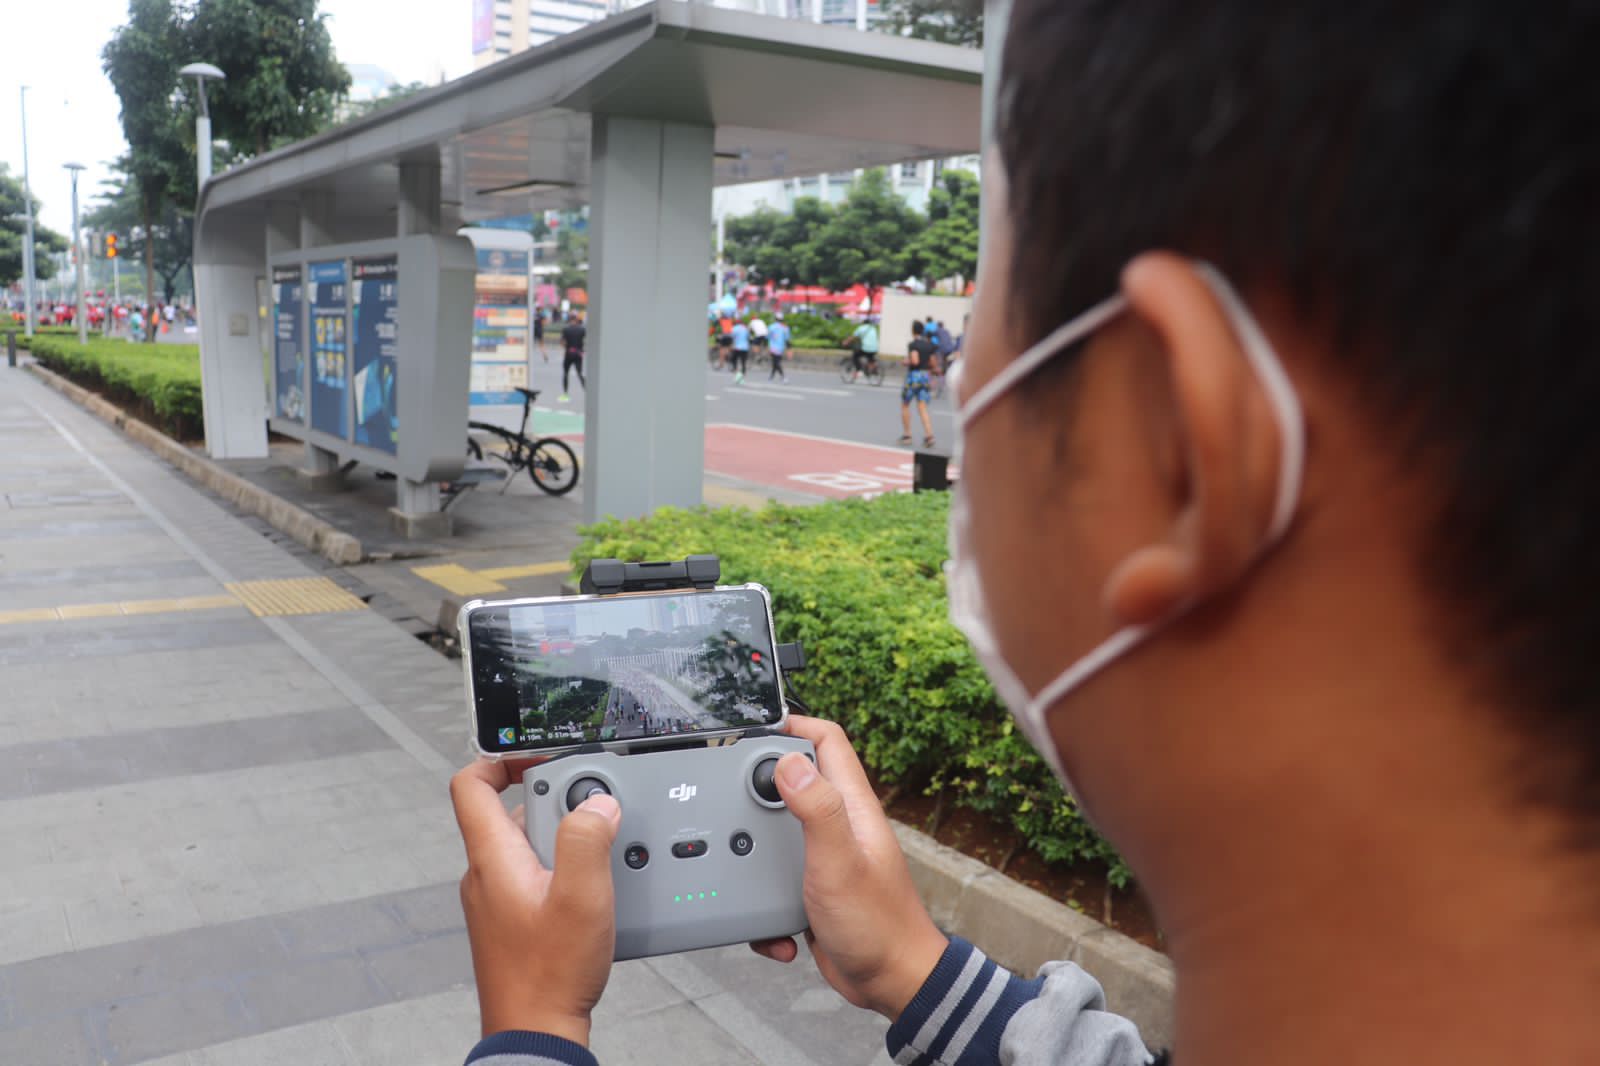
(916, 328)
(1403, 195)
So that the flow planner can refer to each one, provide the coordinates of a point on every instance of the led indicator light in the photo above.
(702, 895)
(713, 895)
(677, 899)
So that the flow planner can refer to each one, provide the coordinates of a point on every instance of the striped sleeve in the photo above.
(529, 1049)
(961, 1011)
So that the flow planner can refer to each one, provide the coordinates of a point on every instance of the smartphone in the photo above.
(548, 675)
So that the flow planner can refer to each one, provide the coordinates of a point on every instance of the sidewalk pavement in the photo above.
(223, 807)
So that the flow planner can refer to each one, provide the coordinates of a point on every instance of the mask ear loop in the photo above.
(1288, 414)
(1066, 334)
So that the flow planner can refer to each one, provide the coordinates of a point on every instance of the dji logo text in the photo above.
(682, 793)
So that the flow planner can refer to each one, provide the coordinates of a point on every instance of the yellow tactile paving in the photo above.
(302, 595)
(452, 577)
(74, 611)
(510, 573)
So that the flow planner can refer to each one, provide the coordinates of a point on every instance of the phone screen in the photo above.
(558, 673)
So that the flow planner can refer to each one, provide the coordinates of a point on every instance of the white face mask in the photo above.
(968, 609)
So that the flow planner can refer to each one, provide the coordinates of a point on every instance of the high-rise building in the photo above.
(505, 27)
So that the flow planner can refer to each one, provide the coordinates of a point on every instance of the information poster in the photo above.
(288, 346)
(374, 332)
(330, 361)
(500, 327)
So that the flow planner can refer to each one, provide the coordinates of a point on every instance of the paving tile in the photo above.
(188, 1016)
(31, 929)
(438, 1029)
(424, 967)
(314, 988)
(58, 1042)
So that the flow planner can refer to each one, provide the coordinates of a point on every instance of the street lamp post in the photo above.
(201, 73)
(27, 241)
(78, 256)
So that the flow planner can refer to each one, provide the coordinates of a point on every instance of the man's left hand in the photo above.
(542, 940)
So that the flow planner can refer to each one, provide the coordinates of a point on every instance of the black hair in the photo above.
(1420, 185)
(916, 328)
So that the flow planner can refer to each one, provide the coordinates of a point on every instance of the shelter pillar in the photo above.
(227, 264)
(649, 252)
(417, 509)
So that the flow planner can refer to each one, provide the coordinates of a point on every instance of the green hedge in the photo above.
(158, 383)
(862, 584)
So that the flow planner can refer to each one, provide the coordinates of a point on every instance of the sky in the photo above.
(73, 111)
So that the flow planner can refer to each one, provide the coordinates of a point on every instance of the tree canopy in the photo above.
(284, 81)
(171, 229)
(867, 239)
(948, 21)
(948, 247)
(13, 230)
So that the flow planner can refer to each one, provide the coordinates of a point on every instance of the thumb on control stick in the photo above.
(581, 879)
(831, 848)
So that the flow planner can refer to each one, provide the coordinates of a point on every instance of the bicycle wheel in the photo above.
(554, 466)
(874, 373)
(847, 370)
(474, 449)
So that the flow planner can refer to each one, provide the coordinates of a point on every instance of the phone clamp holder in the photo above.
(609, 577)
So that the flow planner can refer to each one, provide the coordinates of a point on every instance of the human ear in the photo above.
(1228, 447)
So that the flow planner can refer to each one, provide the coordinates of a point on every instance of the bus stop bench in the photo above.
(469, 479)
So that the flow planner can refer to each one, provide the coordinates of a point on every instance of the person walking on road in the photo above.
(724, 342)
(572, 340)
(919, 362)
(758, 336)
(538, 333)
(741, 351)
(778, 342)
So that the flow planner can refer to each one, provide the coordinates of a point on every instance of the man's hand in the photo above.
(541, 941)
(871, 936)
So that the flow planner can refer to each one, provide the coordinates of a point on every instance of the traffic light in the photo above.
(111, 246)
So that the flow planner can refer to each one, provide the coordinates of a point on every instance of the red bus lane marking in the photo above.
(818, 465)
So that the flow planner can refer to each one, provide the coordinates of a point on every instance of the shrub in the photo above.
(861, 583)
(159, 383)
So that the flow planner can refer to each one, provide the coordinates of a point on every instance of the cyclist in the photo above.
(864, 343)
(920, 355)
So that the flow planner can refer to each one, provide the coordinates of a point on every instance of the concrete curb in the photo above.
(1022, 930)
(321, 537)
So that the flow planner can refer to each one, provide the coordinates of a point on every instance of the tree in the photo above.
(947, 21)
(284, 80)
(572, 259)
(393, 95)
(13, 232)
(868, 239)
(775, 246)
(948, 247)
(142, 61)
(167, 243)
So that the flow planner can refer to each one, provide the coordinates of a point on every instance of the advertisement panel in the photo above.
(375, 332)
(482, 25)
(500, 327)
(330, 362)
(288, 347)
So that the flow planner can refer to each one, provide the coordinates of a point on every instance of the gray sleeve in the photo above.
(1067, 1024)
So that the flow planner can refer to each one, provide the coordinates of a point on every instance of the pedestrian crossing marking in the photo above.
(296, 595)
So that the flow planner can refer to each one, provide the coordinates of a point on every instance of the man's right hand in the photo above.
(871, 936)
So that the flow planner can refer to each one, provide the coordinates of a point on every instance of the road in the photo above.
(813, 435)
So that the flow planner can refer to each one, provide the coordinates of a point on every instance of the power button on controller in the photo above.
(689, 849)
(741, 843)
(636, 856)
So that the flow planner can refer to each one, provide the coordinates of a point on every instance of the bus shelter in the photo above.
(350, 238)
